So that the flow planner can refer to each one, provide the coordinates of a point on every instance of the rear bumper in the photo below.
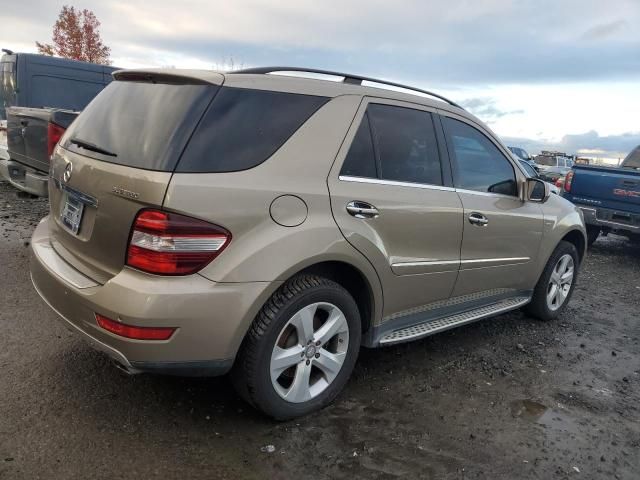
(609, 218)
(211, 318)
(24, 178)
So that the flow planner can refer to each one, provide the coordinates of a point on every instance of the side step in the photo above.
(414, 332)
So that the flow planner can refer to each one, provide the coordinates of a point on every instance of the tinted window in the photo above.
(145, 125)
(531, 172)
(479, 164)
(59, 92)
(360, 161)
(243, 127)
(406, 145)
(7, 86)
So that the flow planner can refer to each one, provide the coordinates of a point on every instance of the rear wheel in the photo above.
(555, 286)
(301, 348)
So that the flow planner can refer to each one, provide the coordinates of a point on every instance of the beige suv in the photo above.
(271, 225)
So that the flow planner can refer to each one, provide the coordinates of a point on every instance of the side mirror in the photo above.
(536, 190)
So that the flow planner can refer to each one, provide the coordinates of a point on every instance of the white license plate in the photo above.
(72, 210)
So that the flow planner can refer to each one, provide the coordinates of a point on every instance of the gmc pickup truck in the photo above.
(609, 197)
(32, 134)
(39, 81)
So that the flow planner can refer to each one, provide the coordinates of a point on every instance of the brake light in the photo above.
(170, 244)
(568, 180)
(130, 331)
(54, 134)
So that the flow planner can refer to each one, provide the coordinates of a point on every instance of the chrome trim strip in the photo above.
(491, 260)
(588, 209)
(377, 181)
(486, 194)
(83, 197)
(425, 264)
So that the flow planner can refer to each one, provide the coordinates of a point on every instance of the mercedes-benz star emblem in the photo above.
(68, 170)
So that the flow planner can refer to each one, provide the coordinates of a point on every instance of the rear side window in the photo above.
(244, 127)
(479, 165)
(142, 125)
(395, 143)
(361, 160)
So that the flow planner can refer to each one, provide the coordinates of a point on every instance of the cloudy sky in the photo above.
(542, 73)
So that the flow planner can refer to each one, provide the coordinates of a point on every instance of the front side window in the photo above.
(479, 165)
(395, 143)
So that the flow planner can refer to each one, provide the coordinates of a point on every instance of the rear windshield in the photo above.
(139, 124)
(145, 125)
(7, 86)
(633, 159)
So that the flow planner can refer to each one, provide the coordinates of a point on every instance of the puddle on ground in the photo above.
(528, 409)
(536, 412)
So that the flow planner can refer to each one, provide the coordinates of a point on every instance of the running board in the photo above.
(420, 330)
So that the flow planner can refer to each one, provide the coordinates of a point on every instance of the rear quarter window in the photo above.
(244, 127)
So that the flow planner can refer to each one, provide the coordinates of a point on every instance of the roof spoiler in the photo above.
(169, 76)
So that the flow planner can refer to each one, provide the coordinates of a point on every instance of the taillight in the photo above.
(54, 133)
(131, 331)
(170, 244)
(567, 181)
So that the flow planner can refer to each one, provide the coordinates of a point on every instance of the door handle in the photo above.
(24, 123)
(362, 210)
(478, 219)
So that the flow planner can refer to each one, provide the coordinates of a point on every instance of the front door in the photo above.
(502, 232)
(392, 198)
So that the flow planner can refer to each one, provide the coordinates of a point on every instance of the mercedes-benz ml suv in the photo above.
(271, 225)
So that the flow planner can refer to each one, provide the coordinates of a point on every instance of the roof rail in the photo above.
(347, 78)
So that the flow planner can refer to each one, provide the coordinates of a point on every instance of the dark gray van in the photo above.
(41, 81)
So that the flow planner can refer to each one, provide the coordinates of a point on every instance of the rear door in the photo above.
(502, 233)
(115, 159)
(392, 198)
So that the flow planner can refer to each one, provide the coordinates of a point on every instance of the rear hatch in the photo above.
(117, 158)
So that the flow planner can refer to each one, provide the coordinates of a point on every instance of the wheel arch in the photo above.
(578, 240)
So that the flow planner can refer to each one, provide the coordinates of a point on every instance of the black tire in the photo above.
(251, 373)
(538, 306)
(593, 233)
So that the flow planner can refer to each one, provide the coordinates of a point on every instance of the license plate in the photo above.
(72, 210)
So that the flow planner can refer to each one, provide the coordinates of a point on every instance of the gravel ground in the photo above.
(509, 398)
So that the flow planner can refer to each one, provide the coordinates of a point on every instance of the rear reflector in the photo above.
(54, 133)
(136, 333)
(170, 244)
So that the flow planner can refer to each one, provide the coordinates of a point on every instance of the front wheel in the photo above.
(555, 286)
(301, 348)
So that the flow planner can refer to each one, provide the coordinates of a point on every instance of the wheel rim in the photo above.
(560, 282)
(309, 352)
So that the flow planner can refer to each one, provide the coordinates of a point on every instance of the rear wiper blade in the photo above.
(90, 146)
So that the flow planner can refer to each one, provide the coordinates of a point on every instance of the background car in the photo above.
(532, 173)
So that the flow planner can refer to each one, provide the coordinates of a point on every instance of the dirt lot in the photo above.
(509, 398)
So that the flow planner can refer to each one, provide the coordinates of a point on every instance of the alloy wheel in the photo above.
(309, 352)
